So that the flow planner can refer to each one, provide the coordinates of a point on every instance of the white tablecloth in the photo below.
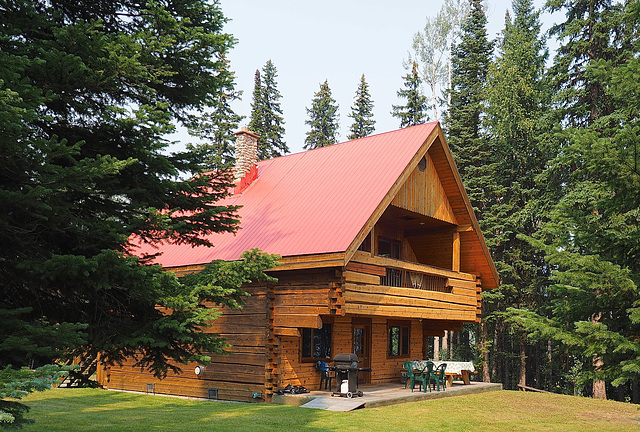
(453, 367)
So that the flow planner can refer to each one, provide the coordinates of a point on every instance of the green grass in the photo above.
(99, 410)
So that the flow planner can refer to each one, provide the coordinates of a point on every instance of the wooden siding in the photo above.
(423, 193)
(236, 376)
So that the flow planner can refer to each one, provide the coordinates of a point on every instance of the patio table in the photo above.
(454, 369)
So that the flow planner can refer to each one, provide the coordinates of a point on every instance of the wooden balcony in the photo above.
(390, 287)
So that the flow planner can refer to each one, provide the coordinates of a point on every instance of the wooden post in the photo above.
(455, 262)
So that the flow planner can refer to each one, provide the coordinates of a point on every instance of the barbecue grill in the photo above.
(346, 368)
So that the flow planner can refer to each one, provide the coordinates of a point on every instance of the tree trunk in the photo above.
(635, 392)
(550, 359)
(523, 361)
(599, 387)
(486, 376)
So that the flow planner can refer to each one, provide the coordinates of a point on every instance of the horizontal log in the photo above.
(410, 312)
(414, 293)
(303, 299)
(302, 310)
(460, 283)
(286, 331)
(352, 276)
(297, 321)
(382, 299)
(360, 267)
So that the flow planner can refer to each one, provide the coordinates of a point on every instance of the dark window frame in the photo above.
(398, 346)
(316, 344)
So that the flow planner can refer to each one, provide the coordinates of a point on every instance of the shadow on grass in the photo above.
(99, 410)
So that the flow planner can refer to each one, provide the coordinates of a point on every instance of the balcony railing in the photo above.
(411, 279)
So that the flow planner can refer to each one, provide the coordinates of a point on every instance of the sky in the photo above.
(336, 40)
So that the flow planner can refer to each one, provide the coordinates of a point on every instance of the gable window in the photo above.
(389, 248)
(316, 343)
(398, 338)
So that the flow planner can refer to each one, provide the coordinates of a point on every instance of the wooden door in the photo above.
(362, 346)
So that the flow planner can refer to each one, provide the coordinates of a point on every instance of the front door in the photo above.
(362, 346)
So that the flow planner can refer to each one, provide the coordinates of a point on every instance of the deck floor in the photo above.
(378, 395)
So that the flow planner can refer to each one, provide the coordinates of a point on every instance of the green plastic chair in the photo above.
(411, 376)
(423, 376)
(438, 376)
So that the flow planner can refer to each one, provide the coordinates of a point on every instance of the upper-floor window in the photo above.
(389, 248)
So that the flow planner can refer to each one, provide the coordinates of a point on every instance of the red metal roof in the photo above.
(310, 202)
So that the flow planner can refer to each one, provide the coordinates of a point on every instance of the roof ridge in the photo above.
(395, 131)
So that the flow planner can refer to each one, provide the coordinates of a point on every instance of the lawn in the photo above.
(100, 410)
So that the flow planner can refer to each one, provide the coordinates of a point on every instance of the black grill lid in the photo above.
(345, 358)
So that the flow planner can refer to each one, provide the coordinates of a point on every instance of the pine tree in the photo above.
(217, 128)
(415, 110)
(266, 114)
(361, 112)
(323, 119)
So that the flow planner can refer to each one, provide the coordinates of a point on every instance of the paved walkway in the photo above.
(379, 395)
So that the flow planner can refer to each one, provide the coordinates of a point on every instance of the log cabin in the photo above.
(380, 249)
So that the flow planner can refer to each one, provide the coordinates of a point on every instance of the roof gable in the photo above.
(311, 202)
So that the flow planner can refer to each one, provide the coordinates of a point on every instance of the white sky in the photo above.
(337, 40)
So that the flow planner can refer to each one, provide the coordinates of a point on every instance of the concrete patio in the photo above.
(379, 395)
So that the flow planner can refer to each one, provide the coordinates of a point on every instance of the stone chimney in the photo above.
(246, 158)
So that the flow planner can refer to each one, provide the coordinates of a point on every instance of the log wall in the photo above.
(236, 376)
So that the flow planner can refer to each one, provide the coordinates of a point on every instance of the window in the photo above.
(316, 343)
(398, 334)
(389, 248)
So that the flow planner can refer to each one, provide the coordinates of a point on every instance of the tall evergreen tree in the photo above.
(323, 119)
(466, 136)
(257, 118)
(266, 114)
(216, 130)
(361, 112)
(272, 143)
(591, 238)
(415, 110)
(518, 103)
(591, 32)
(88, 91)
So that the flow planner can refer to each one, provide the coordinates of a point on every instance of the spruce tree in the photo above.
(361, 112)
(466, 135)
(323, 119)
(415, 110)
(88, 92)
(518, 99)
(257, 118)
(272, 143)
(266, 114)
(591, 237)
